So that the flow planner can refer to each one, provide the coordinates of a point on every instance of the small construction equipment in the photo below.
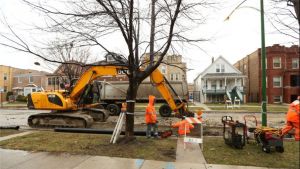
(268, 137)
(233, 132)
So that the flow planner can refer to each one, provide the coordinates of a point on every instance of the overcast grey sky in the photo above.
(233, 39)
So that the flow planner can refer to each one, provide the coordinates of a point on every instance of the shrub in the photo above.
(21, 98)
(8, 94)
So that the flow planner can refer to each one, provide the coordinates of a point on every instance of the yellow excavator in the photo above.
(80, 107)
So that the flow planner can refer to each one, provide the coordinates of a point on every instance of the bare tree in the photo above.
(157, 24)
(284, 16)
(66, 52)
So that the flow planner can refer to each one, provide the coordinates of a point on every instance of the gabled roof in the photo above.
(214, 63)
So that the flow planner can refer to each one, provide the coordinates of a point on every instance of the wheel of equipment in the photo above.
(113, 109)
(266, 148)
(165, 110)
(279, 149)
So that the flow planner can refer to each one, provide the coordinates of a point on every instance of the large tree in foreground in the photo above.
(154, 26)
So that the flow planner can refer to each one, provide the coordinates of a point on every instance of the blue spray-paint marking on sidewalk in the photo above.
(170, 166)
(139, 162)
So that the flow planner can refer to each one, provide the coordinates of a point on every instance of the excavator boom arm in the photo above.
(90, 75)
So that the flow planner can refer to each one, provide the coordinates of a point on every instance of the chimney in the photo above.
(212, 60)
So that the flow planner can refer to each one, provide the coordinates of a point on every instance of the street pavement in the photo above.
(190, 158)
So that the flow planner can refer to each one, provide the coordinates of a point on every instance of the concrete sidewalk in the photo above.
(15, 159)
(190, 158)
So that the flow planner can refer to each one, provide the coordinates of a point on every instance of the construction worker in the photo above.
(292, 120)
(183, 127)
(124, 107)
(150, 118)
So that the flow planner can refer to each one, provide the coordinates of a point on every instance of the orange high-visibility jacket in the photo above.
(183, 125)
(150, 115)
(293, 120)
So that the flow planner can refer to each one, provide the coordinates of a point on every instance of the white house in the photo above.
(219, 80)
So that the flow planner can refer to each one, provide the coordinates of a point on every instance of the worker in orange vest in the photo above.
(124, 107)
(183, 127)
(293, 119)
(150, 117)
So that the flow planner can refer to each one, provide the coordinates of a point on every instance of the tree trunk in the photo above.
(131, 96)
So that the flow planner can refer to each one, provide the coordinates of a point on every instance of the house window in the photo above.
(295, 63)
(222, 68)
(5, 76)
(213, 85)
(163, 69)
(295, 80)
(19, 79)
(217, 68)
(176, 77)
(276, 82)
(276, 62)
(221, 85)
(51, 80)
(245, 67)
(172, 76)
(30, 79)
(277, 99)
(5, 89)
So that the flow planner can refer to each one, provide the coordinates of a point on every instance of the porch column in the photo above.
(234, 81)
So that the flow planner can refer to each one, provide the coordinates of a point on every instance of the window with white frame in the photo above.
(217, 68)
(277, 99)
(30, 79)
(295, 63)
(172, 76)
(222, 68)
(213, 85)
(276, 62)
(277, 81)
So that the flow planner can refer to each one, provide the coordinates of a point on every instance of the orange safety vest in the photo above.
(293, 120)
(182, 126)
(150, 115)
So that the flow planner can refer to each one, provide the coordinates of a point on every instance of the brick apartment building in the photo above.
(20, 81)
(282, 74)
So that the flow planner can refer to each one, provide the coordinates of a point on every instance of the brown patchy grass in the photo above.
(92, 144)
(7, 132)
(217, 152)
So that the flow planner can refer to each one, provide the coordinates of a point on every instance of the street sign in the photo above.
(192, 140)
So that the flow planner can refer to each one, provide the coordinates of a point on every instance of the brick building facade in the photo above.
(282, 71)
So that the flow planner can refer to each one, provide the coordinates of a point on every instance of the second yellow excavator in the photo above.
(80, 107)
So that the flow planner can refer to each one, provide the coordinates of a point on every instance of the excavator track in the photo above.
(98, 114)
(52, 120)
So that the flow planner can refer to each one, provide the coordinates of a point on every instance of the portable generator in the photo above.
(268, 137)
(233, 132)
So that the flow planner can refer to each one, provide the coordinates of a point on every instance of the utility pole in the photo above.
(263, 67)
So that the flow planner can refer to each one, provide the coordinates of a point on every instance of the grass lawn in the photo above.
(217, 152)
(251, 107)
(92, 144)
(6, 132)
